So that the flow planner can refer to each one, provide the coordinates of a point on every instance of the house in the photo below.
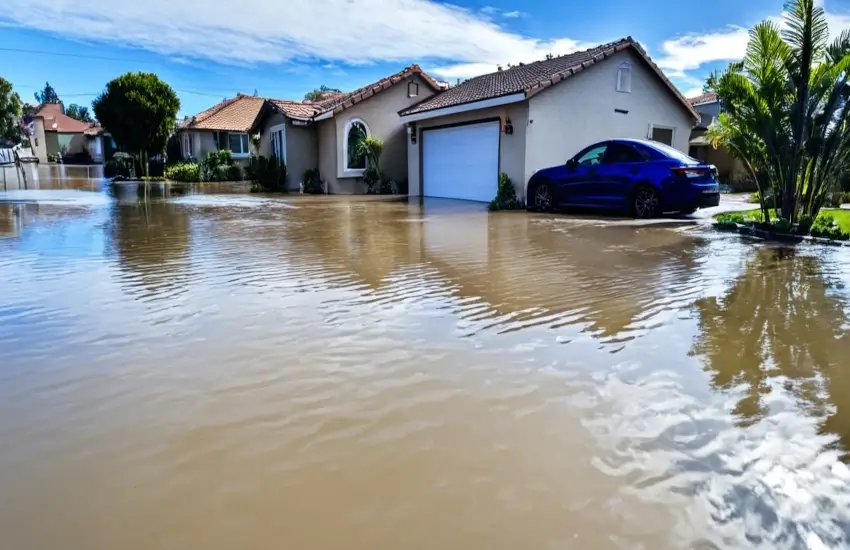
(532, 116)
(223, 126)
(324, 134)
(729, 169)
(53, 133)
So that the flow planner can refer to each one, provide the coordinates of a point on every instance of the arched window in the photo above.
(356, 131)
(624, 77)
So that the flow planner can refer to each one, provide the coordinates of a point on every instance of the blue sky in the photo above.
(210, 49)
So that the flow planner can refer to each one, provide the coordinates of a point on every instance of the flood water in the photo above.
(217, 370)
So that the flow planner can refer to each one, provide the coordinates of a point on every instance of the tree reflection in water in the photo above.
(781, 325)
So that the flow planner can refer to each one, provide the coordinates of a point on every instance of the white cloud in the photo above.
(692, 51)
(456, 40)
(512, 14)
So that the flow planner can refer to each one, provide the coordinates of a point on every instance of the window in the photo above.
(624, 78)
(620, 152)
(412, 89)
(661, 134)
(592, 156)
(355, 134)
(238, 144)
(278, 141)
(187, 146)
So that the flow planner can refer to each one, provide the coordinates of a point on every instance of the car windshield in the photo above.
(674, 153)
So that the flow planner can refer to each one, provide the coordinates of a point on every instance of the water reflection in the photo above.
(782, 324)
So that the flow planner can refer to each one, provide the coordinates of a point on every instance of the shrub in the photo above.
(184, 171)
(215, 164)
(311, 182)
(116, 168)
(826, 226)
(267, 174)
(505, 195)
(783, 225)
(804, 226)
(733, 217)
(833, 200)
(235, 173)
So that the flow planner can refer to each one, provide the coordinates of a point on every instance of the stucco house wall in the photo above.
(273, 119)
(512, 148)
(326, 141)
(302, 152)
(380, 113)
(38, 141)
(581, 110)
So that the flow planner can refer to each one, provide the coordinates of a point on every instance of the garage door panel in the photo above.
(461, 162)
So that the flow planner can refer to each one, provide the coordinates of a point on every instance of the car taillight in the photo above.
(690, 173)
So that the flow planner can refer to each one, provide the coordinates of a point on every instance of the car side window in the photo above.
(592, 156)
(620, 152)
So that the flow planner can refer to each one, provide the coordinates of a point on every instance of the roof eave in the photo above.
(507, 99)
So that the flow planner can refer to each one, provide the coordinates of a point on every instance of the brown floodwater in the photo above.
(205, 368)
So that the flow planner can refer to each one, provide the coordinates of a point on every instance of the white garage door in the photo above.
(461, 162)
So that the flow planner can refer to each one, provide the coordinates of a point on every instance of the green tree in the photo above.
(47, 95)
(79, 112)
(786, 110)
(10, 113)
(317, 93)
(140, 112)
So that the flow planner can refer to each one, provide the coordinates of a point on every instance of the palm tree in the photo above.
(786, 110)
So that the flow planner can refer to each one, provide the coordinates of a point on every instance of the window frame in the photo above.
(672, 129)
(272, 131)
(624, 69)
(346, 170)
(245, 145)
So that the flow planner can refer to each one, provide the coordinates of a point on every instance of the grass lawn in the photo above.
(840, 216)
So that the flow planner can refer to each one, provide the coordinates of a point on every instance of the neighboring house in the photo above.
(729, 169)
(52, 133)
(325, 134)
(532, 116)
(224, 126)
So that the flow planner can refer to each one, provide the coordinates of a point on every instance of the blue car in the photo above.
(640, 177)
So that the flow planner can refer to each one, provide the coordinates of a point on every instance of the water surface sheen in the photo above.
(221, 370)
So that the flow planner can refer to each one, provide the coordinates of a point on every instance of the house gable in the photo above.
(566, 118)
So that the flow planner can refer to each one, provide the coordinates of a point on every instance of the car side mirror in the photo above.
(572, 164)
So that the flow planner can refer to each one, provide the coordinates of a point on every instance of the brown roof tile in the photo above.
(231, 115)
(295, 109)
(338, 103)
(55, 120)
(535, 77)
(710, 97)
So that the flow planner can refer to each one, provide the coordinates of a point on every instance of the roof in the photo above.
(94, 130)
(55, 120)
(295, 109)
(710, 97)
(533, 78)
(341, 102)
(236, 114)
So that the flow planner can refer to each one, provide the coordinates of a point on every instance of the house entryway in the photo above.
(461, 162)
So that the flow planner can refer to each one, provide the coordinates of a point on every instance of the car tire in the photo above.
(646, 202)
(537, 198)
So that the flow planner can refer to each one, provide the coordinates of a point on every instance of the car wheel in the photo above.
(646, 202)
(542, 199)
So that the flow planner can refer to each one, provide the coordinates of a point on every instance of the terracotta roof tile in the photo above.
(340, 102)
(295, 109)
(535, 77)
(55, 120)
(231, 115)
(710, 97)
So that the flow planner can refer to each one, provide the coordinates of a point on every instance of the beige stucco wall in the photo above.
(204, 143)
(301, 152)
(38, 141)
(580, 111)
(511, 147)
(380, 113)
(326, 137)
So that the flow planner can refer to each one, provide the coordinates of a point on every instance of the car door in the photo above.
(616, 176)
(575, 186)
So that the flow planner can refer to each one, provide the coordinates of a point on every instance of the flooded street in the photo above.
(220, 370)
